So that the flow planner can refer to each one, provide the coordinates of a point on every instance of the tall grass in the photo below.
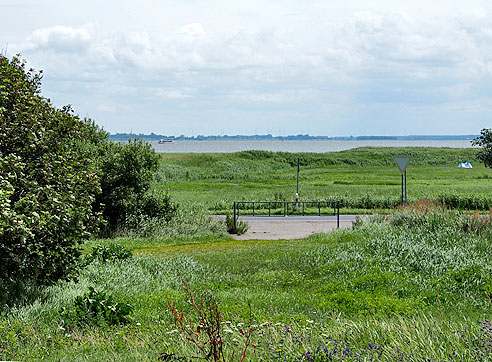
(189, 220)
(411, 286)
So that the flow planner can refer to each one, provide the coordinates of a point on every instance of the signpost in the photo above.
(402, 163)
(297, 193)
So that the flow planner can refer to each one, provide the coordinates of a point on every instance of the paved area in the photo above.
(290, 227)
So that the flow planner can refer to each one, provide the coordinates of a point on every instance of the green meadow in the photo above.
(414, 284)
(363, 179)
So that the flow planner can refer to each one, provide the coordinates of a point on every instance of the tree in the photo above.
(126, 172)
(48, 183)
(484, 141)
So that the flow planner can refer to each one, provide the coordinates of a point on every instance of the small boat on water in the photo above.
(165, 140)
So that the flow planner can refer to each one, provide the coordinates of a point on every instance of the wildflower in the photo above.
(309, 321)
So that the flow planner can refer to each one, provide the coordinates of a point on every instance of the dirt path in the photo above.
(274, 228)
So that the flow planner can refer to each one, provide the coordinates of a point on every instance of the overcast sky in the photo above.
(327, 67)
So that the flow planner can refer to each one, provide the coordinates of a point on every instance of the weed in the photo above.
(241, 226)
(96, 308)
(206, 332)
(107, 253)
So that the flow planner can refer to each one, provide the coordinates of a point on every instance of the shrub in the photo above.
(241, 226)
(148, 207)
(47, 184)
(484, 141)
(96, 308)
(126, 171)
(105, 253)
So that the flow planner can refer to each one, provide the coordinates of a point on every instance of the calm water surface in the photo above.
(226, 146)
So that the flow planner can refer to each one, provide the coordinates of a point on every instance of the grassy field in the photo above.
(364, 178)
(415, 286)
(412, 286)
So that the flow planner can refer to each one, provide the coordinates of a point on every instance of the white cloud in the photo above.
(59, 38)
(172, 93)
(304, 55)
(272, 97)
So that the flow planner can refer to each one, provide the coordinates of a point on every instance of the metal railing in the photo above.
(285, 206)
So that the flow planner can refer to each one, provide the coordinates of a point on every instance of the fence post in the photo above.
(234, 217)
(269, 207)
(319, 209)
(253, 208)
(338, 214)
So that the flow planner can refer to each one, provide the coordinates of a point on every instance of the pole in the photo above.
(234, 217)
(298, 169)
(402, 189)
(338, 214)
(405, 186)
(297, 193)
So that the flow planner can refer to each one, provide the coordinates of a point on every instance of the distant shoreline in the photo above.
(299, 137)
(296, 146)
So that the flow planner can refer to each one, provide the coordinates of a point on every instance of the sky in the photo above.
(215, 67)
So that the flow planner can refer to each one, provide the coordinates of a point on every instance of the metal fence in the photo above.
(286, 208)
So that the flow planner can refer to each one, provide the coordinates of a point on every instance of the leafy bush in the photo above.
(149, 207)
(241, 226)
(485, 141)
(105, 253)
(47, 184)
(96, 308)
(126, 171)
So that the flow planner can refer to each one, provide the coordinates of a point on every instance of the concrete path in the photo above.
(290, 227)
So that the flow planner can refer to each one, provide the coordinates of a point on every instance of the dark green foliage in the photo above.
(105, 253)
(96, 308)
(126, 172)
(154, 207)
(485, 141)
(47, 184)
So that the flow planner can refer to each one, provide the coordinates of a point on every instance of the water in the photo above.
(227, 146)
